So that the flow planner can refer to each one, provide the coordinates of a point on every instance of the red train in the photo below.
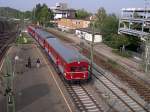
(69, 61)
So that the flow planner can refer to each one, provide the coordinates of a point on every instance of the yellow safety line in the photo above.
(55, 81)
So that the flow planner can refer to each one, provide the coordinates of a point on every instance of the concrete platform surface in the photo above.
(34, 88)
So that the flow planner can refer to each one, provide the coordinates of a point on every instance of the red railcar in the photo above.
(69, 61)
(31, 31)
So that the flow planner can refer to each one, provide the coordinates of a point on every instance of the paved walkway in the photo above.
(130, 65)
(34, 88)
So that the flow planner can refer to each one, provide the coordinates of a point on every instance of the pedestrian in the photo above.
(38, 63)
(7, 91)
(29, 62)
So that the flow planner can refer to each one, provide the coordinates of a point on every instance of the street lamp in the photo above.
(9, 86)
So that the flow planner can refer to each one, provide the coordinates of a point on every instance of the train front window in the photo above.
(78, 69)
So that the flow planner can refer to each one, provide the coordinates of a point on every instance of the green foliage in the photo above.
(82, 14)
(116, 41)
(126, 54)
(110, 25)
(100, 17)
(13, 13)
(24, 40)
(27, 15)
(107, 25)
(10, 12)
(42, 14)
(112, 63)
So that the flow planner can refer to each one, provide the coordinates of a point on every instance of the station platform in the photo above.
(35, 89)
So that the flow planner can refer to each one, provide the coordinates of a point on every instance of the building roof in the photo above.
(63, 10)
(135, 9)
(77, 19)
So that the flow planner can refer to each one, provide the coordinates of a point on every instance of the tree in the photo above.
(110, 24)
(27, 14)
(118, 41)
(100, 17)
(82, 14)
(42, 14)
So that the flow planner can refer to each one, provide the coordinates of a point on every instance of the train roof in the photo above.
(44, 34)
(33, 28)
(66, 51)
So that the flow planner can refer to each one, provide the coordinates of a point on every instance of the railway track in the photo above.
(5, 41)
(84, 101)
(142, 89)
(124, 99)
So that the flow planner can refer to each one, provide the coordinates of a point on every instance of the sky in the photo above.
(111, 6)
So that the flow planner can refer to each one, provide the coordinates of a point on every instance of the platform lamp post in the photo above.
(9, 86)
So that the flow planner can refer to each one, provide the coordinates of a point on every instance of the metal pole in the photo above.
(92, 45)
(146, 66)
(147, 55)
(9, 86)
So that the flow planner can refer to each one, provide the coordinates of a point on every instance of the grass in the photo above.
(126, 54)
(112, 63)
(23, 40)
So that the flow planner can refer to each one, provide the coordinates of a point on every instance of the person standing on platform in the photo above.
(29, 62)
(38, 63)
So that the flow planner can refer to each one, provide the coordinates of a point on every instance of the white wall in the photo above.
(57, 16)
(88, 36)
(63, 28)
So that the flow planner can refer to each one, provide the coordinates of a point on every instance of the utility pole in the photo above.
(147, 55)
(9, 86)
(92, 45)
(33, 14)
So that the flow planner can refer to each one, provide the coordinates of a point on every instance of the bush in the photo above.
(23, 40)
(126, 54)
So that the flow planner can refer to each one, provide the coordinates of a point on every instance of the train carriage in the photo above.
(41, 36)
(71, 64)
(68, 60)
(31, 31)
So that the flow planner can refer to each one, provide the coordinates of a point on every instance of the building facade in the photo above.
(135, 22)
(61, 10)
(86, 34)
(72, 24)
